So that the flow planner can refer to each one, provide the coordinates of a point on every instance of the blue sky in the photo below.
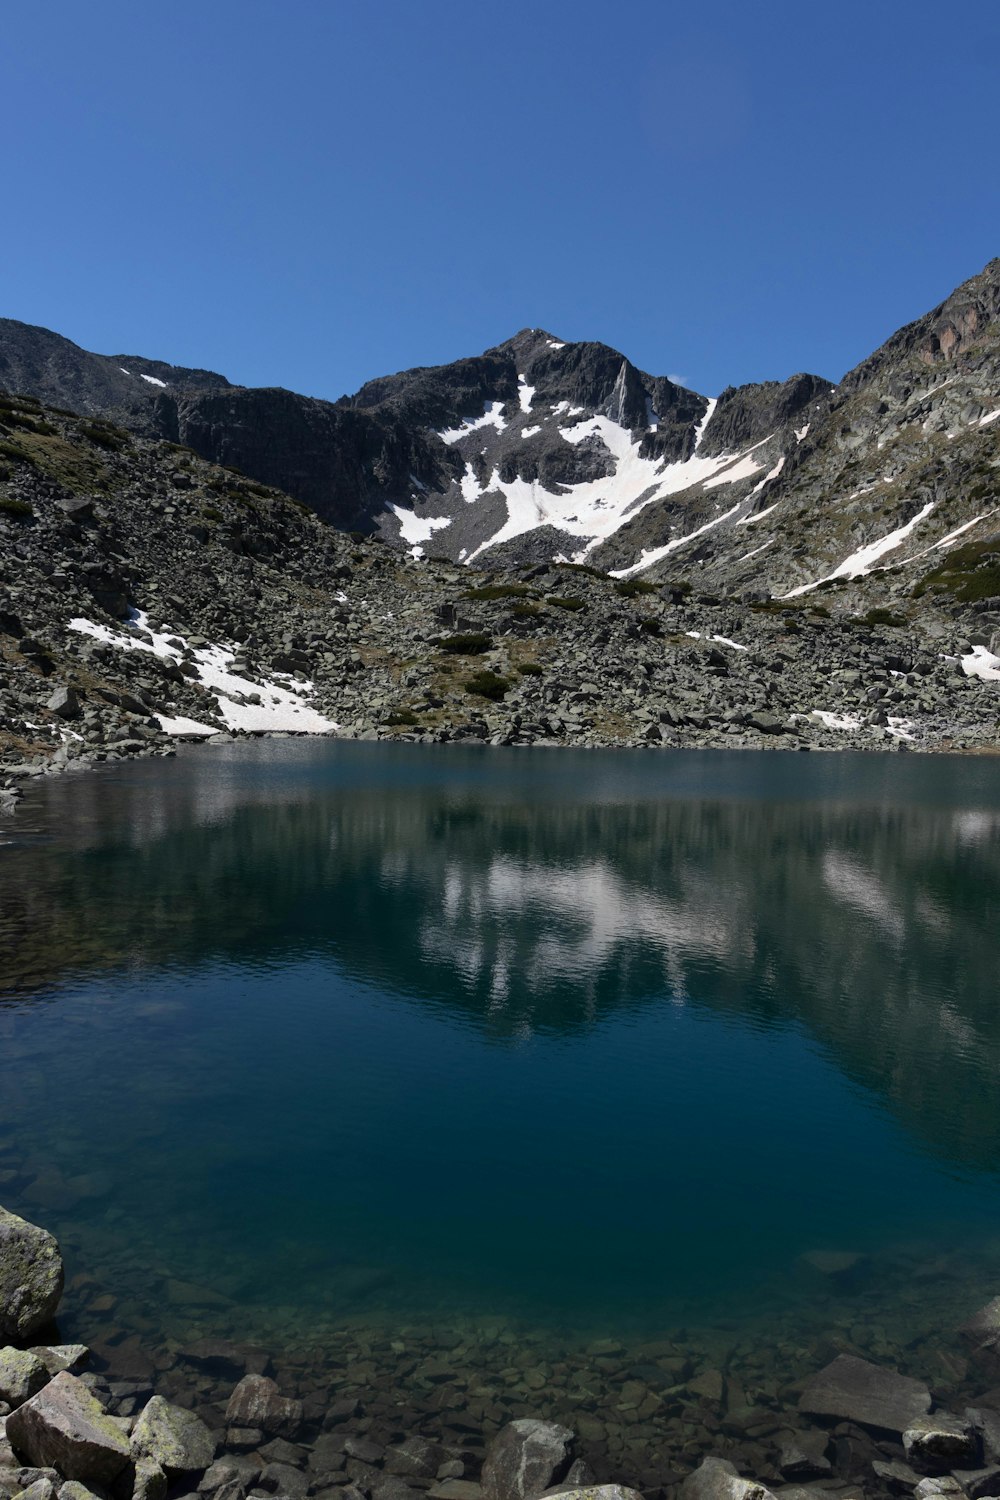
(309, 193)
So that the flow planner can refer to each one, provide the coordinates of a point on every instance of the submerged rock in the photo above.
(257, 1403)
(65, 1428)
(718, 1479)
(525, 1458)
(854, 1390)
(31, 1278)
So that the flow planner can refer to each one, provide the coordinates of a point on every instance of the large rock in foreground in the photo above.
(65, 1428)
(31, 1278)
(525, 1458)
(175, 1439)
(852, 1390)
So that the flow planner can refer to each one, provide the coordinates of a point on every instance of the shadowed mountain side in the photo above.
(524, 906)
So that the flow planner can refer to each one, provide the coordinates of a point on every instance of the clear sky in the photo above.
(309, 193)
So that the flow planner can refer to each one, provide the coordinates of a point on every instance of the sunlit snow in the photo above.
(279, 708)
(982, 663)
(525, 392)
(860, 563)
(414, 528)
(491, 417)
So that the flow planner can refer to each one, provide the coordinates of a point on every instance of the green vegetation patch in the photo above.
(631, 588)
(11, 507)
(525, 611)
(498, 591)
(400, 717)
(16, 451)
(531, 669)
(488, 685)
(969, 572)
(571, 602)
(567, 567)
(103, 436)
(468, 643)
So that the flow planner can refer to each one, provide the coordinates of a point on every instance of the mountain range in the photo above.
(540, 450)
(539, 545)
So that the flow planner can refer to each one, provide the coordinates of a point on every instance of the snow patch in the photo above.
(152, 380)
(724, 641)
(280, 708)
(530, 431)
(860, 563)
(414, 528)
(699, 431)
(525, 392)
(471, 488)
(491, 417)
(835, 721)
(800, 432)
(990, 416)
(773, 474)
(648, 558)
(982, 663)
(185, 726)
(752, 520)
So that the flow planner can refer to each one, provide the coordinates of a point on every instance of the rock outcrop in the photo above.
(31, 1278)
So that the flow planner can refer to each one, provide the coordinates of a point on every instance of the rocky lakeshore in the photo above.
(149, 597)
(398, 1413)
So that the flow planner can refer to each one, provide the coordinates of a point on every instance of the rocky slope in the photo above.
(148, 595)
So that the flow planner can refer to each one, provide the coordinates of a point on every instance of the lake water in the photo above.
(304, 1037)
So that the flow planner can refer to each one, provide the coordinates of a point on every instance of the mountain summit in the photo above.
(542, 449)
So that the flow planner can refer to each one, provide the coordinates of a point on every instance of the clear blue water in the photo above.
(297, 1034)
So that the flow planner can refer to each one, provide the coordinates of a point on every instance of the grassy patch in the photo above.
(109, 438)
(631, 588)
(498, 591)
(15, 451)
(11, 507)
(531, 669)
(400, 717)
(571, 602)
(525, 611)
(581, 568)
(969, 572)
(469, 643)
(487, 685)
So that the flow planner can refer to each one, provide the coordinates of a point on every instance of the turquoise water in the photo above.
(299, 1034)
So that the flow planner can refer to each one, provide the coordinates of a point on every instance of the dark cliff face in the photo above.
(37, 362)
(338, 460)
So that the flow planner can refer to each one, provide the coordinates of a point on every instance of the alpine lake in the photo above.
(621, 1088)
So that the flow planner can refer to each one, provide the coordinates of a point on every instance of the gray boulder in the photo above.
(600, 1492)
(175, 1439)
(525, 1458)
(65, 702)
(853, 1390)
(56, 1357)
(256, 1402)
(31, 1278)
(718, 1479)
(982, 1332)
(941, 1442)
(21, 1375)
(65, 1428)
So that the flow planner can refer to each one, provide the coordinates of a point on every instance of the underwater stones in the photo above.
(220, 1357)
(854, 1390)
(256, 1402)
(416, 1458)
(982, 1333)
(718, 1479)
(525, 1458)
(839, 1267)
(21, 1375)
(941, 1442)
(64, 1427)
(31, 1277)
(175, 1439)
